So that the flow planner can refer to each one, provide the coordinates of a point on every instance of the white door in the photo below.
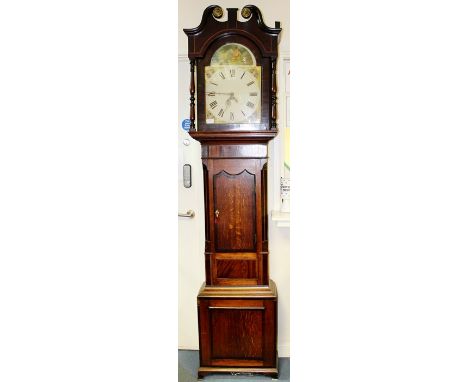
(191, 230)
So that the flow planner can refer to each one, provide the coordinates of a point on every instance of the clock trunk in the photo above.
(236, 229)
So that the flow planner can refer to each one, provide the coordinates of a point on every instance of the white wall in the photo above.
(189, 16)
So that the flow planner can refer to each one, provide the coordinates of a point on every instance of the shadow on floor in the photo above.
(189, 362)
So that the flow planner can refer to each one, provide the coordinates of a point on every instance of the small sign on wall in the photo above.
(284, 184)
(186, 124)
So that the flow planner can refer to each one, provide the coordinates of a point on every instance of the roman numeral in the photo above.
(232, 116)
(221, 74)
(242, 75)
(243, 112)
(211, 94)
(250, 83)
(250, 104)
(221, 113)
(213, 104)
(232, 72)
(254, 94)
(212, 83)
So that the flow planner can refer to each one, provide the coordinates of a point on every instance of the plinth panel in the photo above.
(236, 332)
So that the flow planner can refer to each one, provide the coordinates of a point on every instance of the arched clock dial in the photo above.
(233, 94)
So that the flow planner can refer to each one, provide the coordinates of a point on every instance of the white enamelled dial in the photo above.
(232, 94)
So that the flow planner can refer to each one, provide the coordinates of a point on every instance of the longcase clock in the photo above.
(233, 81)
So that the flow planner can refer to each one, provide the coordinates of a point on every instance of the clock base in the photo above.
(267, 371)
(238, 329)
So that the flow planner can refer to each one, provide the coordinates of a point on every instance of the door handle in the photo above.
(188, 214)
(217, 214)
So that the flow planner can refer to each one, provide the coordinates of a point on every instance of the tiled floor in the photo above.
(189, 362)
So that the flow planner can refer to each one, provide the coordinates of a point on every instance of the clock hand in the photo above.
(230, 94)
(231, 98)
(228, 101)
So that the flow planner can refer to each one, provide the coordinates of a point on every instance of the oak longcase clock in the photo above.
(233, 116)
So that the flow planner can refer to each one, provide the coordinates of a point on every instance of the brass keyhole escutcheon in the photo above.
(217, 214)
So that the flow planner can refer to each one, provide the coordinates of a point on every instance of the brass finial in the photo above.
(217, 12)
(246, 12)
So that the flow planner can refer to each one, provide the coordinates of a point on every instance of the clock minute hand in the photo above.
(229, 94)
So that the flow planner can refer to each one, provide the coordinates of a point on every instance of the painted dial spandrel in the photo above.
(233, 54)
(233, 94)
